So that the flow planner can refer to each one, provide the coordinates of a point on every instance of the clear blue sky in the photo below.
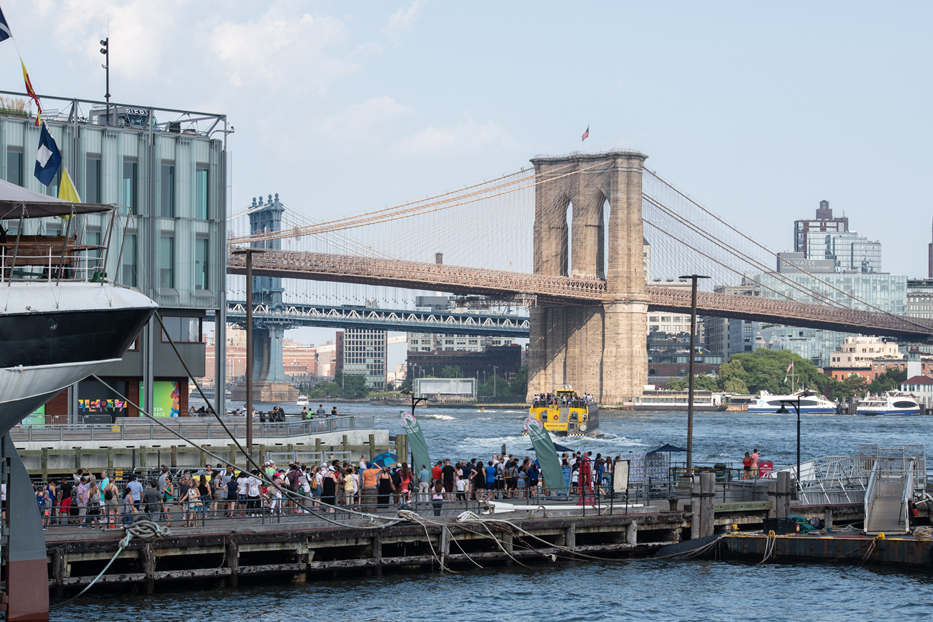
(759, 110)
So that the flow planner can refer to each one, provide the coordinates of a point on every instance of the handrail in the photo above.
(904, 517)
(872, 491)
(208, 429)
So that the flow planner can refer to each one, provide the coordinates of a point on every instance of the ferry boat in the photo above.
(571, 415)
(768, 404)
(60, 318)
(677, 401)
(302, 400)
(891, 404)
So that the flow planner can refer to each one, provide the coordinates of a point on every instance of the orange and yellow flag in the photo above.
(32, 94)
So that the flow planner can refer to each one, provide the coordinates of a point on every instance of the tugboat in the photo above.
(565, 413)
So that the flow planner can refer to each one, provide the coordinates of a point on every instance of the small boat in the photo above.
(768, 404)
(891, 404)
(566, 414)
(302, 400)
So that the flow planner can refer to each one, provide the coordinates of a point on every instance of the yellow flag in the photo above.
(66, 189)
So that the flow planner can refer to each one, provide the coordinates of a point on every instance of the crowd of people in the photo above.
(542, 400)
(87, 501)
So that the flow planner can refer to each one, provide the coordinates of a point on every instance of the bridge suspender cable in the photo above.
(829, 285)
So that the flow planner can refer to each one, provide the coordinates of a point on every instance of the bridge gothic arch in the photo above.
(596, 348)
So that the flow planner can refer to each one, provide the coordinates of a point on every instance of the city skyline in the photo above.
(756, 114)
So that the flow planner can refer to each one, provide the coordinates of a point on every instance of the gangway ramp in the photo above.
(889, 488)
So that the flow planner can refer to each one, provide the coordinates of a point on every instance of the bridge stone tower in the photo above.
(599, 348)
(269, 379)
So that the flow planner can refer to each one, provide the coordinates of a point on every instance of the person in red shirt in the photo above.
(437, 472)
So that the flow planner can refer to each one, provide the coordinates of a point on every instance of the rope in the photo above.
(769, 546)
(923, 533)
(141, 529)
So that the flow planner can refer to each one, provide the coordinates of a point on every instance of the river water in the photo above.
(656, 590)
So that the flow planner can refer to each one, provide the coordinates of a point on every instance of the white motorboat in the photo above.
(891, 404)
(768, 404)
(302, 400)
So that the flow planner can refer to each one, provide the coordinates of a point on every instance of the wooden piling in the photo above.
(694, 510)
(233, 562)
(147, 560)
(377, 555)
(783, 494)
(707, 493)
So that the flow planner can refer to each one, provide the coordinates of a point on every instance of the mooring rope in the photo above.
(140, 529)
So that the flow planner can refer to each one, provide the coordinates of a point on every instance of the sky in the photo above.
(758, 110)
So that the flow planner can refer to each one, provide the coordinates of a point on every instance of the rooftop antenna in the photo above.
(105, 50)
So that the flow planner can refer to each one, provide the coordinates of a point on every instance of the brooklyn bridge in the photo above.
(571, 238)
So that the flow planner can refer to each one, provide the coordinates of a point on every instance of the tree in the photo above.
(451, 371)
(700, 383)
(890, 380)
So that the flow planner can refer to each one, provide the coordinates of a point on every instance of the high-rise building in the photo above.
(829, 262)
(363, 354)
(826, 237)
(930, 260)
(731, 336)
(167, 238)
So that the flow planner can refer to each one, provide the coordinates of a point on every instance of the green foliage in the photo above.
(890, 380)
(451, 371)
(700, 383)
(347, 386)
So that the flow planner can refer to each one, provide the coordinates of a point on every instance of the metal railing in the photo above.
(195, 430)
(42, 259)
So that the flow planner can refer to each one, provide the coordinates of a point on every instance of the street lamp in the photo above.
(693, 337)
(783, 411)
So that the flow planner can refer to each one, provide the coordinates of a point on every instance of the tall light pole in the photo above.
(693, 337)
(105, 50)
(249, 342)
(783, 411)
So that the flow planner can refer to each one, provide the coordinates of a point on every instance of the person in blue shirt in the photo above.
(490, 480)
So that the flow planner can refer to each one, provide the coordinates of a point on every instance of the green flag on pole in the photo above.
(547, 455)
(419, 448)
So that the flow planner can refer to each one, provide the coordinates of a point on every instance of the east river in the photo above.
(645, 589)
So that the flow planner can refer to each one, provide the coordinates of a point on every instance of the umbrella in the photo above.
(385, 459)
(556, 447)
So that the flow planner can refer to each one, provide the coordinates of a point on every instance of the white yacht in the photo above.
(891, 404)
(60, 318)
(302, 400)
(768, 404)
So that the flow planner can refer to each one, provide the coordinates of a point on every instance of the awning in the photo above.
(18, 202)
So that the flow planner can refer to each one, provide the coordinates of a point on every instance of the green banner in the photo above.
(547, 455)
(166, 398)
(419, 448)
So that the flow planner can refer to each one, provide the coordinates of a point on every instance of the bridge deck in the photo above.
(569, 290)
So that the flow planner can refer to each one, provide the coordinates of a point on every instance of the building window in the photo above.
(14, 165)
(168, 190)
(128, 261)
(131, 184)
(167, 262)
(181, 329)
(201, 264)
(92, 178)
(202, 194)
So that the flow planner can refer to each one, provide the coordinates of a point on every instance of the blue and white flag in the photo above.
(47, 158)
(4, 28)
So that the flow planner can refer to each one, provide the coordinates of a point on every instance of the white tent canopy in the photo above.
(18, 202)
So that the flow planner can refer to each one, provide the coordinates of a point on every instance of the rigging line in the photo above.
(403, 215)
(729, 268)
(262, 474)
(735, 251)
(354, 221)
(375, 214)
(870, 306)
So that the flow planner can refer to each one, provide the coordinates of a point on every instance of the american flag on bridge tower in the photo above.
(586, 134)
